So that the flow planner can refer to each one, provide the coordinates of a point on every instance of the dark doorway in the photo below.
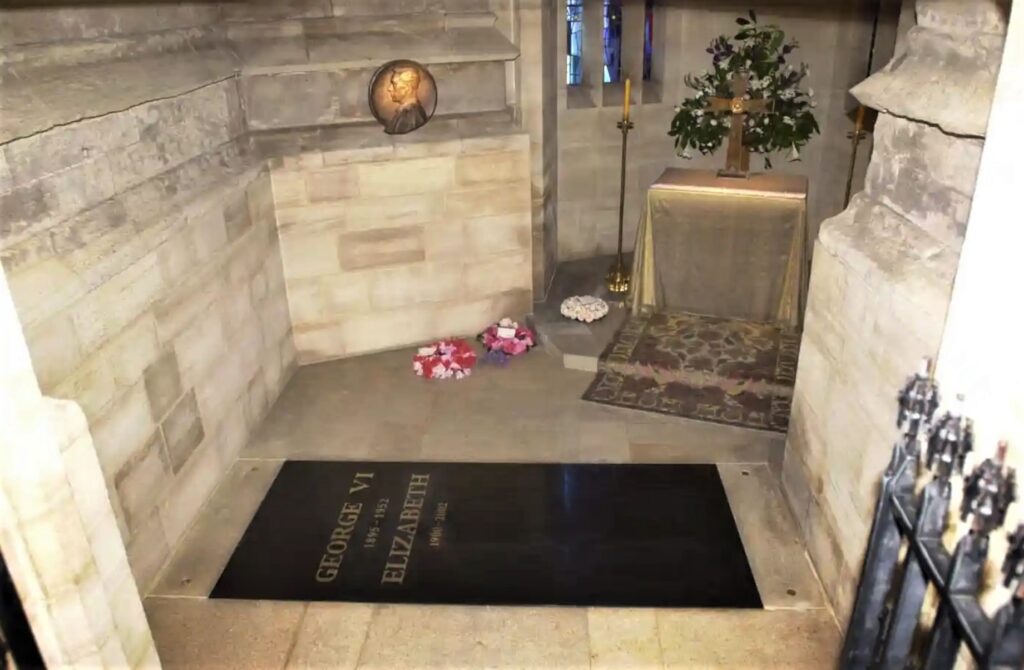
(17, 644)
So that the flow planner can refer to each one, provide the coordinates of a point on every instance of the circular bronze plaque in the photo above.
(403, 96)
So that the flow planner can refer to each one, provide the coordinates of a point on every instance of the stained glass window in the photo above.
(574, 57)
(648, 38)
(612, 40)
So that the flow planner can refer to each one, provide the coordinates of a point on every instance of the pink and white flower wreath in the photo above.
(507, 337)
(447, 359)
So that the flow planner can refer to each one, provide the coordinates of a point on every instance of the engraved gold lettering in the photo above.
(401, 547)
(399, 563)
(324, 576)
(337, 543)
(330, 561)
(405, 535)
(361, 481)
(393, 576)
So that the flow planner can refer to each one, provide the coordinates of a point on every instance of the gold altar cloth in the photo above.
(723, 247)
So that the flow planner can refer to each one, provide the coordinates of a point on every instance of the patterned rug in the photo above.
(700, 367)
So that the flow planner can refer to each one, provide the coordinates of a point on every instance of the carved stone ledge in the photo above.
(942, 79)
(945, 74)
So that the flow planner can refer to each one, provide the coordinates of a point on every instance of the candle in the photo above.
(625, 102)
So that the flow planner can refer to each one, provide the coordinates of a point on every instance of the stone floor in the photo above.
(374, 408)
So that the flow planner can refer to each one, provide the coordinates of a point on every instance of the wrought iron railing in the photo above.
(886, 629)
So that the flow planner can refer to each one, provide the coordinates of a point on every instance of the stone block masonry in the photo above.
(139, 239)
(142, 254)
(385, 247)
(882, 277)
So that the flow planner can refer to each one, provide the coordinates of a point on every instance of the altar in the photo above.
(722, 246)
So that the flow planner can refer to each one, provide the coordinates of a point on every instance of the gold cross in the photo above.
(737, 160)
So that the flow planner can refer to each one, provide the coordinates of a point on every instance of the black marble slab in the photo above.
(494, 533)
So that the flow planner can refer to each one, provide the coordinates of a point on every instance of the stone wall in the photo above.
(139, 231)
(532, 26)
(834, 40)
(882, 275)
(58, 532)
(389, 242)
(140, 243)
(326, 56)
(58, 61)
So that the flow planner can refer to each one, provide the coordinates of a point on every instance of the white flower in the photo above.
(810, 93)
(713, 122)
(788, 119)
(700, 94)
(765, 122)
(699, 113)
(813, 104)
(748, 64)
(677, 108)
(794, 154)
(583, 308)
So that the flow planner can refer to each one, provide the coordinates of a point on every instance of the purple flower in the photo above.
(496, 357)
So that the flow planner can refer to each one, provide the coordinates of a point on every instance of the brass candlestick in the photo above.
(618, 276)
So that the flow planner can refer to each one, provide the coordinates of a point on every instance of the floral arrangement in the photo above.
(759, 52)
(586, 308)
(505, 339)
(447, 359)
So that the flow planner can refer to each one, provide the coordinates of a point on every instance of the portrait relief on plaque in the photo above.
(403, 96)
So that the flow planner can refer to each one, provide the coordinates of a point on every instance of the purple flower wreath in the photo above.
(505, 339)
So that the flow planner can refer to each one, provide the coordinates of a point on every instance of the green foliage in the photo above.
(759, 51)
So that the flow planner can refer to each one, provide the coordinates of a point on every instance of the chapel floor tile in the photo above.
(748, 639)
(373, 408)
(624, 638)
(331, 636)
(196, 633)
(417, 636)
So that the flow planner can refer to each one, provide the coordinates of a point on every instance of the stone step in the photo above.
(328, 63)
(35, 99)
(247, 30)
(317, 98)
(337, 145)
(339, 44)
(578, 345)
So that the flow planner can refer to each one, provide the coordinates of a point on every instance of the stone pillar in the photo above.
(537, 100)
(980, 354)
(882, 276)
(58, 532)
